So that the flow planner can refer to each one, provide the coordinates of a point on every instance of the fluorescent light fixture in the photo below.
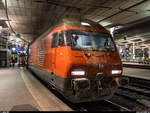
(13, 49)
(104, 23)
(116, 71)
(84, 23)
(10, 21)
(80, 79)
(1, 27)
(78, 73)
(120, 50)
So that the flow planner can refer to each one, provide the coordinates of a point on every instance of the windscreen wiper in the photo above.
(107, 45)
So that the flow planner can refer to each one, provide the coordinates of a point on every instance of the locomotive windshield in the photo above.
(83, 40)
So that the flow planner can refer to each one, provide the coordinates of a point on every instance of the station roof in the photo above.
(30, 18)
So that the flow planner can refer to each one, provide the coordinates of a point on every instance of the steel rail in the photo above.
(121, 107)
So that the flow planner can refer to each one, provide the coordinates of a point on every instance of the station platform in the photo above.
(136, 65)
(137, 73)
(21, 91)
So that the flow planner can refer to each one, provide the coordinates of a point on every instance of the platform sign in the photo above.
(4, 37)
(125, 50)
(18, 49)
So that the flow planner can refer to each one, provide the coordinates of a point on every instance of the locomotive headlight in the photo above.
(78, 73)
(116, 71)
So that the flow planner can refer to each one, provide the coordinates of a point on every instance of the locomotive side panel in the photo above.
(63, 62)
(50, 63)
(48, 53)
(34, 54)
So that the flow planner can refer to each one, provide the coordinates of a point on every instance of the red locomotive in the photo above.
(79, 61)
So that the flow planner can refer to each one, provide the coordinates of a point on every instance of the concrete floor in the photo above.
(136, 72)
(20, 91)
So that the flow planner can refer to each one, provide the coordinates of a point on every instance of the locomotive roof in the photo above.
(71, 21)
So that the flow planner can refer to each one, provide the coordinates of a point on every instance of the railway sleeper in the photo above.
(138, 90)
(144, 102)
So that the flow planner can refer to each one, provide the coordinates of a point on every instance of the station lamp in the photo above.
(86, 24)
(1, 29)
(125, 37)
(13, 49)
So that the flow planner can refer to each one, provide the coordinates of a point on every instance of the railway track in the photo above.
(137, 94)
(104, 105)
(121, 108)
(135, 97)
(139, 82)
(137, 101)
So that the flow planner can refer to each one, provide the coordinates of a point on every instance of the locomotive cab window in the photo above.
(54, 40)
(83, 40)
(60, 39)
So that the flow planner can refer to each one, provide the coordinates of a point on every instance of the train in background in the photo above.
(5, 58)
(4, 53)
(79, 59)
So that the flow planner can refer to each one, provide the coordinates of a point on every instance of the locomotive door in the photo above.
(53, 46)
(59, 54)
(57, 51)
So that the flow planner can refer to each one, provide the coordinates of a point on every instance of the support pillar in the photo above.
(133, 51)
(149, 53)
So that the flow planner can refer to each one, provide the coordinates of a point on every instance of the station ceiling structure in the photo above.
(30, 18)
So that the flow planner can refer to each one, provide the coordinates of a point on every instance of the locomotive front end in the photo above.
(95, 68)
